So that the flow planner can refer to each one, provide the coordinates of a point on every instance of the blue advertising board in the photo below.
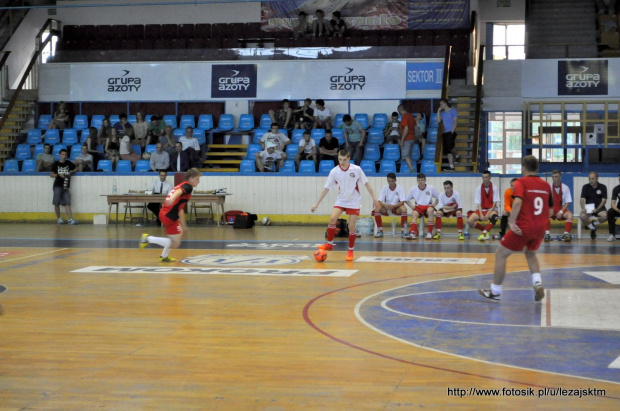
(424, 75)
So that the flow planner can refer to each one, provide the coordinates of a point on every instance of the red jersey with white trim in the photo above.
(348, 182)
(392, 197)
(561, 195)
(486, 196)
(451, 202)
(423, 196)
(537, 199)
(172, 211)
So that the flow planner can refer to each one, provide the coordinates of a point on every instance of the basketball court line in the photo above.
(34, 255)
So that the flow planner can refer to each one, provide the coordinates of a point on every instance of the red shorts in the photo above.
(173, 227)
(393, 209)
(556, 211)
(349, 211)
(422, 209)
(484, 211)
(530, 239)
(450, 213)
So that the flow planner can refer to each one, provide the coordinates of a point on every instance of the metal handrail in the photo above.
(444, 93)
(478, 115)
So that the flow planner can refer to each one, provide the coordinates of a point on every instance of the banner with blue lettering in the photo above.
(370, 15)
(424, 75)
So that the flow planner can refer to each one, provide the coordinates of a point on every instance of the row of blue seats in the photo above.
(122, 166)
(307, 167)
(24, 151)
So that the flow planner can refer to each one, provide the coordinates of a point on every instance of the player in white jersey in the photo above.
(449, 205)
(391, 199)
(425, 196)
(561, 202)
(347, 177)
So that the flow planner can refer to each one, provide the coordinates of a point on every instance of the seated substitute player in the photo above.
(449, 205)
(593, 199)
(503, 224)
(391, 199)
(306, 150)
(172, 216)
(487, 201)
(531, 208)
(561, 200)
(347, 177)
(614, 212)
(426, 197)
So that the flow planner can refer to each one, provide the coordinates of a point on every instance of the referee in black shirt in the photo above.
(593, 199)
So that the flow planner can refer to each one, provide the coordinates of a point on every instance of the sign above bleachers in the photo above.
(265, 80)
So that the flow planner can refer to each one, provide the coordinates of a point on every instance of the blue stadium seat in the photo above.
(371, 152)
(362, 118)
(226, 123)
(338, 134)
(97, 120)
(29, 166)
(22, 152)
(84, 135)
(137, 149)
(429, 152)
(391, 152)
(114, 119)
(150, 148)
(428, 167)
(105, 166)
(69, 136)
(80, 122)
(288, 166)
(431, 135)
(387, 166)
(170, 120)
(247, 167)
(298, 134)
(246, 122)
(379, 120)
(258, 133)
(375, 136)
(404, 168)
(131, 119)
(199, 134)
(123, 166)
(325, 166)
(307, 167)
(38, 149)
(75, 151)
(143, 166)
(433, 120)
(368, 166)
(352, 161)
(44, 121)
(100, 148)
(338, 120)
(178, 132)
(34, 137)
(11, 166)
(415, 152)
(291, 151)
(52, 136)
(147, 118)
(56, 150)
(187, 120)
(317, 134)
(252, 150)
(205, 122)
(265, 121)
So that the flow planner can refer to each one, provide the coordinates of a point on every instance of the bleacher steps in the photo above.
(224, 158)
(11, 130)
(464, 101)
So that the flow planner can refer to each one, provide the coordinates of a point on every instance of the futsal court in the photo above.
(248, 320)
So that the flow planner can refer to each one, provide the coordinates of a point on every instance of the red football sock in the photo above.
(459, 223)
(331, 231)
(438, 223)
(568, 226)
(488, 227)
(378, 219)
(479, 226)
(351, 241)
(430, 226)
(414, 228)
(548, 225)
(403, 219)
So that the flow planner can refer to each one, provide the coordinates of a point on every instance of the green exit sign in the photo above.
(503, 3)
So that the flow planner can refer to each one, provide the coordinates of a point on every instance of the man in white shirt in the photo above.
(266, 159)
(279, 139)
(347, 178)
(84, 162)
(426, 197)
(159, 186)
(306, 149)
(322, 116)
(391, 200)
(449, 205)
(160, 159)
(191, 147)
(561, 202)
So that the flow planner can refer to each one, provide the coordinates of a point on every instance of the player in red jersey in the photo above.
(531, 208)
(172, 216)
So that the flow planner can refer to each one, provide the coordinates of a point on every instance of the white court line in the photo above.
(34, 255)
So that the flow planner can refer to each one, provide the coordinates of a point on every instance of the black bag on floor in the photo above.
(245, 220)
(342, 228)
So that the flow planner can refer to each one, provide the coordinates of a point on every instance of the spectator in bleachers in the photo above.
(179, 161)
(302, 28)
(407, 135)
(338, 25)
(283, 116)
(306, 150)
(320, 26)
(92, 143)
(140, 130)
(391, 133)
(126, 151)
(160, 159)
(191, 147)
(420, 132)
(323, 116)
(328, 148)
(279, 139)
(112, 149)
(304, 115)
(449, 117)
(60, 120)
(167, 141)
(354, 136)
(120, 126)
(266, 159)
(157, 128)
(45, 160)
(104, 131)
(84, 162)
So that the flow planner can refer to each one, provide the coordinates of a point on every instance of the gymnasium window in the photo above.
(508, 41)
(504, 141)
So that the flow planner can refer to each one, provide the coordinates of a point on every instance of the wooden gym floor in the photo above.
(247, 320)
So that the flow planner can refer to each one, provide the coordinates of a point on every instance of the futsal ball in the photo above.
(320, 255)
(266, 221)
